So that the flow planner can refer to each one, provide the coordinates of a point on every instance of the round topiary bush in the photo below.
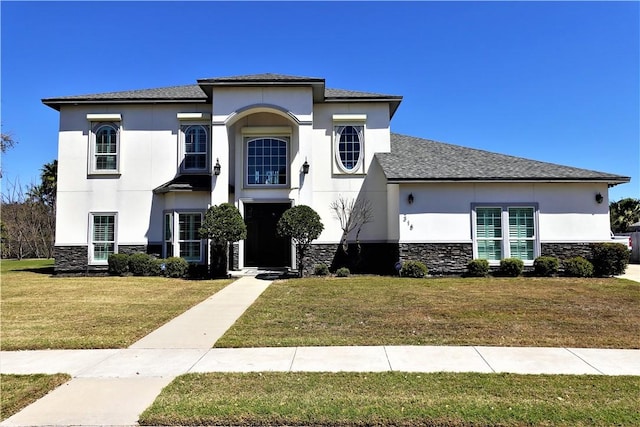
(577, 267)
(321, 270)
(511, 267)
(414, 269)
(478, 268)
(546, 266)
(118, 264)
(176, 267)
(343, 272)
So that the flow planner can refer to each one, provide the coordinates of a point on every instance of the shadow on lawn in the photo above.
(49, 271)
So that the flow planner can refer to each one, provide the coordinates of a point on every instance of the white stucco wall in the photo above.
(148, 159)
(441, 212)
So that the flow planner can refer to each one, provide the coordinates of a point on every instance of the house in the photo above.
(138, 170)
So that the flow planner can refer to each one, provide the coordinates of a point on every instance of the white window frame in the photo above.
(175, 241)
(184, 126)
(93, 152)
(249, 134)
(505, 240)
(340, 123)
(92, 242)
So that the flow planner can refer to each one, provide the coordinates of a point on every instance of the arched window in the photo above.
(267, 161)
(196, 141)
(105, 150)
(349, 148)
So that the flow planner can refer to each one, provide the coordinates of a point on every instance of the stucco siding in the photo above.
(441, 212)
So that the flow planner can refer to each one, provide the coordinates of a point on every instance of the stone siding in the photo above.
(74, 260)
(70, 259)
(440, 258)
(371, 258)
(566, 250)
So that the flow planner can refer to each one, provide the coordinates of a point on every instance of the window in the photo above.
(489, 233)
(104, 149)
(349, 147)
(168, 235)
(521, 233)
(267, 163)
(505, 232)
(195, 148)
(189, 241)
(102, 237)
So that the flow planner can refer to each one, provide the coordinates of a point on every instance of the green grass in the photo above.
(39, 311)
(18, 391)
(367, 310)
(397, 399)
(41, 265)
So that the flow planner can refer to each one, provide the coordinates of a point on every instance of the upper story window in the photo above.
(106, 147)
(104, 144)
(348, 145)
(267, 161)
(195, 148)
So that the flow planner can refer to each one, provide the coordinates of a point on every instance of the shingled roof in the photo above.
(417, 159)
(201, 92)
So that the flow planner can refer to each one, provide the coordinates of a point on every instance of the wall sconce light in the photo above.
(599, 198)
(216, 168)
(410, 198)
(305, 167)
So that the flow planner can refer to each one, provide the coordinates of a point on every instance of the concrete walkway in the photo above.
(114, 386)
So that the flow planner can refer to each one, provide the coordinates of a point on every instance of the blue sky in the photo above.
(551, 81)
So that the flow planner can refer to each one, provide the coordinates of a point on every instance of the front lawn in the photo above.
(44, 312)
(368, 310)
(396, 399)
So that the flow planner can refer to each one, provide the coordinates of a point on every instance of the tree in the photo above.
(623, 213)
(303, 225)
(353, 215)
(223, 224)
(46, 191)
(6, 142)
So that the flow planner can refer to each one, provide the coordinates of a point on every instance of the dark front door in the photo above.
(263, 247)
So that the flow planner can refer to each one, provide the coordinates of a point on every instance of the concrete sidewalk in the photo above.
(114, 386)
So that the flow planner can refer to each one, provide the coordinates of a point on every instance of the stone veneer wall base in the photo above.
(440, 258)
(74, 260)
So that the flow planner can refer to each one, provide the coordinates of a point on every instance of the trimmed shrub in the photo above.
(511, 267)
(321, 270)
(175, 267)
(545, 266)
(415, 269)
(343, 272)
(142, 264)
(118, 264)
(478, 268)
(609, 259)
(577, 267)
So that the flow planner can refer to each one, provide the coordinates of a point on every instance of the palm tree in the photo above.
(623, 213)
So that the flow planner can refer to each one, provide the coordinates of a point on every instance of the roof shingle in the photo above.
(417, 159)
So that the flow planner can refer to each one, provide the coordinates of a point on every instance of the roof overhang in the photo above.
(609, 181)
(185, 183)
(57, 103)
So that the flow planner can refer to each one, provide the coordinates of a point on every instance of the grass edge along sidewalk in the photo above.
(396, 398)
